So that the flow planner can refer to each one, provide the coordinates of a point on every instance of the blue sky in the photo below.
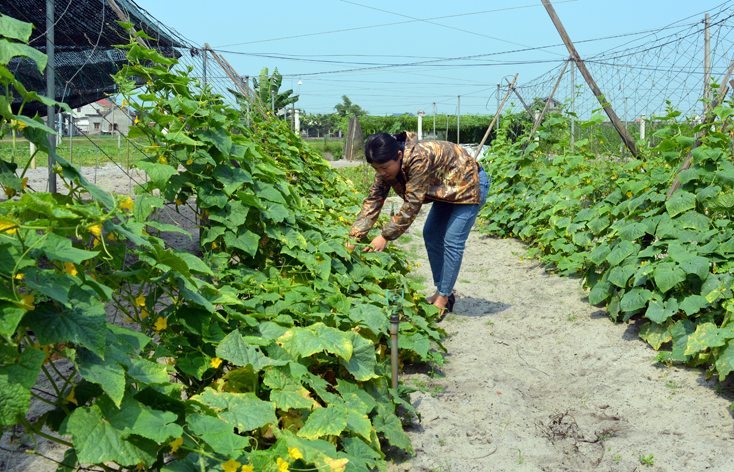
(386, 34)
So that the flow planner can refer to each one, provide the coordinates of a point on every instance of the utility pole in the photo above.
(50, 92)
(573, 108)
(203, 64)
(247, 82)
(458, 119)
(626, 123)
(707, 66)
(434, 120)
(498, 106)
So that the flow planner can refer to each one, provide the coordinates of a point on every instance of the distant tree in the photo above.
(347, 108)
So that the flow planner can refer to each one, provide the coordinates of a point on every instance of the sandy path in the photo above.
(525, 346)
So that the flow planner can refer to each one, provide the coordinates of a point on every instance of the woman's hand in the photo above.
(350, 246)
(377, 244)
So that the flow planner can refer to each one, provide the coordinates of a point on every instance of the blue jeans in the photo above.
(445, 232)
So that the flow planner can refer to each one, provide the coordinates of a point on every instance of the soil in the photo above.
(535, 378)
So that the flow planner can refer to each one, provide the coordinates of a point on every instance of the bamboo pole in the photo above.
(496, 116)
(623, 133)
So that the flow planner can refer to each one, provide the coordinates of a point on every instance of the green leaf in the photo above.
(275, 212)
(598, 224)
(241, 410)
(317, 338)
(680, 201)
(145, 205)
(97, 441)
(231, 178)
(619, 275)
(362, 363)
(59, 248)
(655, 334)
(390, 425)
(216, 136)
(659, 312)
(236, 350)
(680, 332)
(331, 420)
(132, 417)
(233, 215)
(621, 252)
(15, 29)
(725, 360)
(599, 254)
(10, 49)
(10, 316)
(692, 304)
(16, 381)
(148, 372)
(245, 240)
(218, 434)
(705, 336)
(107, 372)
(696, 265)
(211, 196)
(84, 323)
(600, 292)
(635, 299)
(159, 174)
(667, 275)
(723, 203)
(633, 231)
(371, 317)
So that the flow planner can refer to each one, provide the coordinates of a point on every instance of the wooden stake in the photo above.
(499, 110)
(623, 133)
(709, 119)
(527, 109)
(235, 81)
(547, 102)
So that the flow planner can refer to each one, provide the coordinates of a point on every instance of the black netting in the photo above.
(85, 57)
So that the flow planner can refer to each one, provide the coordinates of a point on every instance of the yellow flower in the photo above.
(127, 204)
(124, 102)
(175, 444)
(140, 466)
(19, 276)
(28, 302)
(96, 242)
(215, 362)
(588, 181)
(144, 314)
(8, 227)
(231, 466)
(70, 268)
(163, 160)
(160, 324)
(111, 237)
(418, 264)
(248, 468)
(629, 194)
(70, 398)
(294, 453)
(140, 300)
(214, 245)
(178, 202)
(24, 183)
(282, 465)
(96, 230)
(189, 162)
(137, 120)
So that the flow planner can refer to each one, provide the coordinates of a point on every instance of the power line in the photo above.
(387, 24)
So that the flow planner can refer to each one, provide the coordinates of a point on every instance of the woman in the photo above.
(420, 172)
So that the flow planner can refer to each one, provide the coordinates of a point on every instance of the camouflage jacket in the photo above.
(431, 171)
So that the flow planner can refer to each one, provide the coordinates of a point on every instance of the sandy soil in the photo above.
(534, 377)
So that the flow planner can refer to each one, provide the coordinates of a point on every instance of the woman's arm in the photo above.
(370, 208)
(415, 192)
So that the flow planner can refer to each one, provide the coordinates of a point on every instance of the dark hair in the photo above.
(383, 147)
